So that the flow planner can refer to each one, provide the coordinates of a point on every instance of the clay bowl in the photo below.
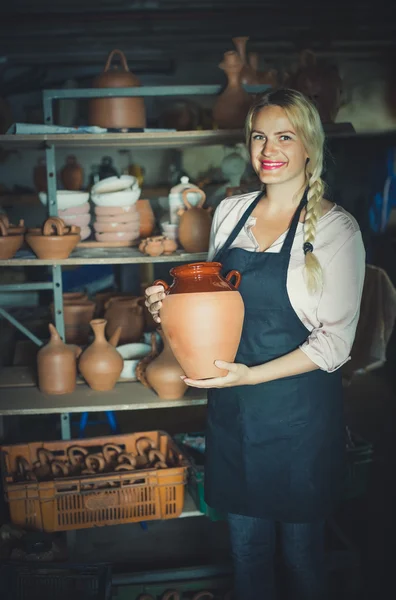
(10, 244)
(114, 210)
(131, 217)
(124, 198)
(132, 354)
(46, 245)
(76, 210)
(120, 236)
(66, 198)
(79, 220)
(133, 227)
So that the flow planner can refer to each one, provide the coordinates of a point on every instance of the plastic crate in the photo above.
(53, 581)
(115, 498)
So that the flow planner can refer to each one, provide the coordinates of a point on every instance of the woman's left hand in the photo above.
(237, 375)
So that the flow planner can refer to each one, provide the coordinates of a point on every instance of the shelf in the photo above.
(125, 396)
(168, 139)
(103, 256)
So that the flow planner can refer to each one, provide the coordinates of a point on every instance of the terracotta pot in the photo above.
(72, 174)
(78, 311)
(194, 226)
(147, 219)
(202, 317)
(56, 365)
(40, 176)
(164, 372)
(248, 74)
(100, 364)
(55, 240)
(10, 242)
(117, 112)
(127, 313)
(231, 107)
(157, 245)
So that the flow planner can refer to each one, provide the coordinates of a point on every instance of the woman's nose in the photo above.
(268, 149)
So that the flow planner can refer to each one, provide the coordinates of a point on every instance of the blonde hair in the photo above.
(305, 119)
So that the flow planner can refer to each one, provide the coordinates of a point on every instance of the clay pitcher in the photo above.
(248, 74)
(126, 313)
(56, 365)
(117, 113)
(164, 372)
(231, 107)
(100, 364)
(195, 225)
(72, 174)
(202, 316)
(147, 219)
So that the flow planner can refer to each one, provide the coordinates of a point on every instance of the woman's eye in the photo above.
(285, 138)
(257, 136)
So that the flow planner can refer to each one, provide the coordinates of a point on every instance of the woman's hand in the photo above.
(154, 295)
(237, 375)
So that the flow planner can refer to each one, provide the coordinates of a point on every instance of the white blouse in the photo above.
(332, 313)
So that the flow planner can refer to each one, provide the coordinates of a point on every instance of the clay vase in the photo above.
(40, 176)
(56, 365)
(72, 174)
(195, 225)
(100, 364)
(147, 219)
(126, 313)
(248, 74)
(231, 107)
(202, 316)
(10, 242)
(113, 112)
(164, 372)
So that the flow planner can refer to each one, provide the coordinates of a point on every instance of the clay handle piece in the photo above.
(122, 59)
(95, 462)
(201, 201)
(3, 229)
(124, 467)
(73, 451)
(237, 276)
(54, 224)
(156, 454)
(145, 441)
(111, 451)
(59, 467)
(44, 456)
(23, 466)
(125, 457)
(161, 282)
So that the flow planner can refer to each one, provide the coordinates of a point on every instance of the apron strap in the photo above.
(238, 227)
(288, 243)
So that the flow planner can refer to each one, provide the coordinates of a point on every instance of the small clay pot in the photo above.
(78, 311)
(195, 225)
(10, 242)
(72, 174)
(56, 365)
(147, 219)
(155, 246)
(55, 241)
(127, 313)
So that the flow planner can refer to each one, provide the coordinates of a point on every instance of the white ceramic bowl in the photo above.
(124, 198)
(114, 184)
(132, 354)
(66, 198)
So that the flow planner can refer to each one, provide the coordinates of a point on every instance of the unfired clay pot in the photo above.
(202, 317)
(55, 240)
(117, 112)
(194, 226)
(248, 74)
(164, 372)
(78, 311)
(127, 313)
(158, 245)
(231, 107)
(56, 365)
(10, 242)
(72, 174)
(100, 364)
(147, 219)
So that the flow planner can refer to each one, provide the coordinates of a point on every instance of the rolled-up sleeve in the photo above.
(329, 345)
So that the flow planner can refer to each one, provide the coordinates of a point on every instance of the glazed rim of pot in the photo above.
(196, 267)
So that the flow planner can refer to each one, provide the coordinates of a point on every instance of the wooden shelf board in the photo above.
(103, 256)
(125, 396)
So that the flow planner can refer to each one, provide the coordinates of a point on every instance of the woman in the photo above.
(275, 432)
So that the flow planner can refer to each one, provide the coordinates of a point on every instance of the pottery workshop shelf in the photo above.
(103, 256)
(164, 139)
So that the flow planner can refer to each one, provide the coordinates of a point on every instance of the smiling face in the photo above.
(277, 154)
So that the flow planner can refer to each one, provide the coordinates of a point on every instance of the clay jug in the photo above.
(164, 372)
(195, 225)
(117, 113)
(202, 316)
(40, 176)
(126, 313)
(248, 74)
(100, 364)
(232, 106)
(56, 365)
(147, 219)
(72, 174)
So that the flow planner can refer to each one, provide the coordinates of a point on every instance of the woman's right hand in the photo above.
(154, 295)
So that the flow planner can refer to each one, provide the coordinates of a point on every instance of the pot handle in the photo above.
(163, 283)
(54, 223)
(195, 191)
(122, 59)
(237, 276)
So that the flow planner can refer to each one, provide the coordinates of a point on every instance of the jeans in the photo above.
(303, 570)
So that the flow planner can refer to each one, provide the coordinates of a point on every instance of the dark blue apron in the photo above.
(273, 450)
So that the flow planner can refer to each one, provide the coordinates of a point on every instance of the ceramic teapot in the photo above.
(176, 202)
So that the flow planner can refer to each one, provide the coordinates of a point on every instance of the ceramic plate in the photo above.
(114, 184)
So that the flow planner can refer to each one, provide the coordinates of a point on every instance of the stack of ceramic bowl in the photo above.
(116, 216)
(73, 209)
